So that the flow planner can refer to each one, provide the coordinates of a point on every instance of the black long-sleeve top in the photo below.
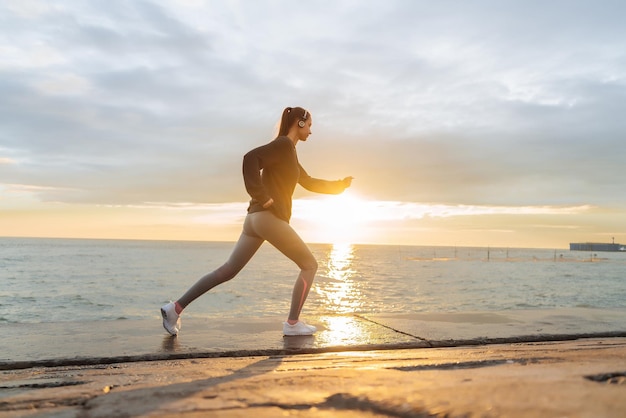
(272, 171)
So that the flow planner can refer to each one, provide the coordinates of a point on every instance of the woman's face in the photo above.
(303, 133)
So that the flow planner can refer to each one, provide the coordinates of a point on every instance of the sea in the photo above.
(56, 280)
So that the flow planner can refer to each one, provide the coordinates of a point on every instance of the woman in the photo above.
(270, 174)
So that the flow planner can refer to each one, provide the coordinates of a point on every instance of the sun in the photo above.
(336, 219)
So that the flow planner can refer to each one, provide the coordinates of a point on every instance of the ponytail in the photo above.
(291, 115)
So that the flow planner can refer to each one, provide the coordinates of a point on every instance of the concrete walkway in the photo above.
(581, 378)
(565, 363)
(107, 342)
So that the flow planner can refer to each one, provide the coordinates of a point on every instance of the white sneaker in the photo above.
(299, 328)
(171, 320)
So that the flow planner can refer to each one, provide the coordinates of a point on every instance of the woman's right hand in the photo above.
(268, 203)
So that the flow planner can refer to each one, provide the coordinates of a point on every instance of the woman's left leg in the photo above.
(246, 247)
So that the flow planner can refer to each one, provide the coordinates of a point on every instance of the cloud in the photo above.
(482, 103)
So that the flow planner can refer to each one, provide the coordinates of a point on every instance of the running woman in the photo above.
(270, 174)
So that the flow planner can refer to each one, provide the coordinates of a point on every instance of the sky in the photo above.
(483, 123)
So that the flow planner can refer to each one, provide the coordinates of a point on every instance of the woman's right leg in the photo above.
(246, 246)
(285, 239)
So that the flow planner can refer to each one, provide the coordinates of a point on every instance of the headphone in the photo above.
(301, 122)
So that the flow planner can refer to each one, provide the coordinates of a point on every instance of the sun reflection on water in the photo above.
(340, 293)
(344, 331)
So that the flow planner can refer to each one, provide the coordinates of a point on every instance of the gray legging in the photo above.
(257, 228)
